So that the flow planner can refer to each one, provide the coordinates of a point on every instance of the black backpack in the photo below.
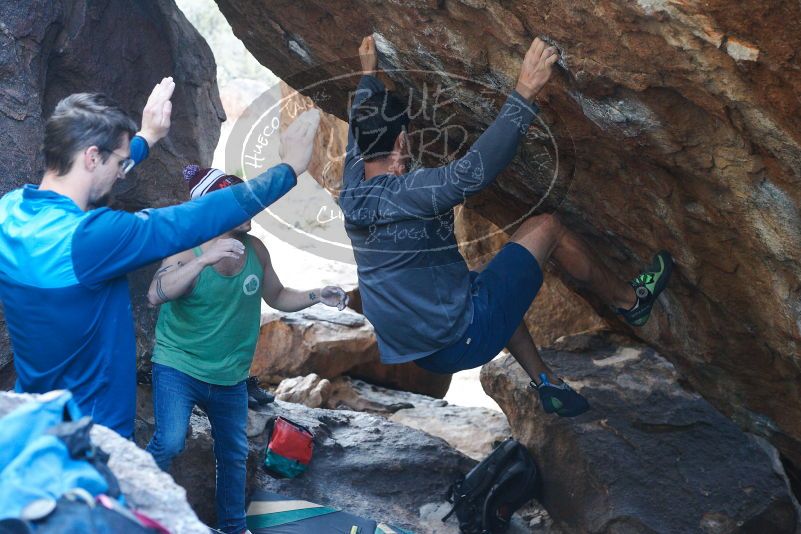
(485, 499)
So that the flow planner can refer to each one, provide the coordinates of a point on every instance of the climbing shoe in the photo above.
(559, 398)
(647, 287)
(256, 395)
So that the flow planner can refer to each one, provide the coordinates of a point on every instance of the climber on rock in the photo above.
(416, 289)
(63, 259)
(206, 335)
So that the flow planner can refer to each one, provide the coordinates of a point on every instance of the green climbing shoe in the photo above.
(647, 287)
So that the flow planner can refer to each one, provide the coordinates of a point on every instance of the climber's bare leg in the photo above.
(546, 237)
(522, 347)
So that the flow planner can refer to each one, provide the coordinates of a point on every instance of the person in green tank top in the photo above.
(206, 334)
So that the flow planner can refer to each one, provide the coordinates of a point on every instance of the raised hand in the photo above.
(222, 248)
(334, 296)
(297, 141)
(156, 115)
(536, 69)
(368, 55)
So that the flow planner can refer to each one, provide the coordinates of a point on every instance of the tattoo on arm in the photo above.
(312, 296)
(164, 270)
(159, 290)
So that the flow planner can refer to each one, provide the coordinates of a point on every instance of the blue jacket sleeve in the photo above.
(433, 192)
(139, 149)
(109, 243)
(368, 86)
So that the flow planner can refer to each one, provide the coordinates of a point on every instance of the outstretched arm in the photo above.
(289, 300)
(433, 192)
(110, 243)
(369, 84)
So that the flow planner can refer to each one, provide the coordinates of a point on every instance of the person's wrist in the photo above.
(295, 167)
(148, 136)
(527, 92)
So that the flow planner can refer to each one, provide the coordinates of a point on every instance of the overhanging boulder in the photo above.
(677, 126)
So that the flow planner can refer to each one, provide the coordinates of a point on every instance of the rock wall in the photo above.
(679, 128)
(49, 50)
(473, 431)
(330, 343)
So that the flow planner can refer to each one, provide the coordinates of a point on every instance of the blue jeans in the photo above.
(174, 395)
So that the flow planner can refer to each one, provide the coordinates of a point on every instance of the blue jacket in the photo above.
(64, 290)
(414, 283)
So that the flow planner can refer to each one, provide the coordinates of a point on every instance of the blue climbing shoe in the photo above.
(559, 398)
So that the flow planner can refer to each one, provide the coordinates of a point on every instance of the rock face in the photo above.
(370, 466)
(678, 127)
(648, 456)
(309, 390)
(146, 487)
(331, 343)
(50, 50)
(472, 431)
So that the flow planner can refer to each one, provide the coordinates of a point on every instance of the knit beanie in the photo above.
(202, 181)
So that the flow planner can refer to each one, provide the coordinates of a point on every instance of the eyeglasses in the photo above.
(126, 164)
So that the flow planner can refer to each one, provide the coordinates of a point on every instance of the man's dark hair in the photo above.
(80, 121)
(377, 122)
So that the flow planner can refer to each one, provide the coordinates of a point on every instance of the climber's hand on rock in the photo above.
(297, 141)
(157, 112)
(536, 69)
(368, 56)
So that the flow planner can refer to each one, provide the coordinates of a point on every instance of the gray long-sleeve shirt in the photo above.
(414, 283)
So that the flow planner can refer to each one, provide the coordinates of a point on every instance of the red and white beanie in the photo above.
(202, 181)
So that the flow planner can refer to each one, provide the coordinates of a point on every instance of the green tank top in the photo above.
(211, 332)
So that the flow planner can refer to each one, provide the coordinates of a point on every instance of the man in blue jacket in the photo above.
(63, 262)
(416, 289)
